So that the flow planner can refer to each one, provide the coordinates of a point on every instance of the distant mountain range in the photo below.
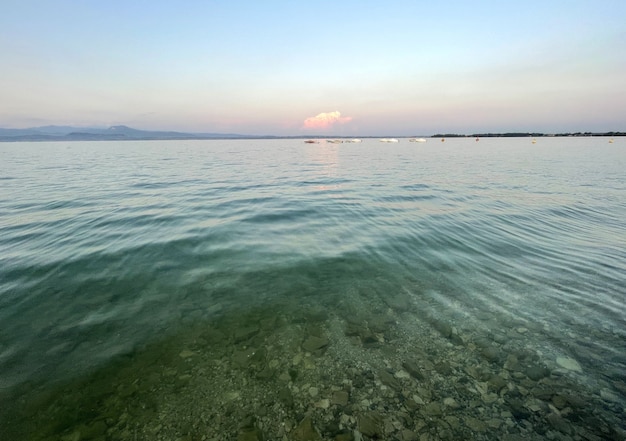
(114, 133)
(121, 133)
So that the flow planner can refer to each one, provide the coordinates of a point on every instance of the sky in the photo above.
(340, 68)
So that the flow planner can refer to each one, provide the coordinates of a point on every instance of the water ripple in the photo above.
(109, 244)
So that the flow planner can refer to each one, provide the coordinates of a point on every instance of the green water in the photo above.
(276, 290)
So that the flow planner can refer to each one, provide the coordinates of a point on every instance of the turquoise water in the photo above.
(111, 247)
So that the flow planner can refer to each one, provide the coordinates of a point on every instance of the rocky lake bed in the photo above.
(334, 371)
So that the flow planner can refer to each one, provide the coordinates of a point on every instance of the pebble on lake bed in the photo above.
(569, 363)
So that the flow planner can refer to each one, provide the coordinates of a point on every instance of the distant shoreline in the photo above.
(528, 134)
(124, 133)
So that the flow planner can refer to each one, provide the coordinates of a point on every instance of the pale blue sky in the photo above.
(394, 67)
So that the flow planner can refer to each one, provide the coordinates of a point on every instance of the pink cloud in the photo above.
(326, 120)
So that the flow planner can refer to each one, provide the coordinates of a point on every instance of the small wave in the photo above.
(93, 267)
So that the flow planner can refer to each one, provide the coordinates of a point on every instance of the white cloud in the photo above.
(326, 120)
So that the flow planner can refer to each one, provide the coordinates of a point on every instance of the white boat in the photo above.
(335, 141)
(352, 140)
(388, 140)
(417, 140)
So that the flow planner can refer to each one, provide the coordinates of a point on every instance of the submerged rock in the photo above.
(408, 435)
(369, 339)
(569, 363)
(314, 343)
(517, 408)
(490, 353)
(451, 403)
(186, 353)
(536, 372)
(243, 359)
(388, 379)
(413, 369)
(475, 424)
(305, 431)
(265, 374)
(496, 383)
(340, 398)
(432, 409)
(323, 403)
(442, 327)
(559, 423)
(371, 424)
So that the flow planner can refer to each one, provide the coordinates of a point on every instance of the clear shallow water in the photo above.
(107, 246)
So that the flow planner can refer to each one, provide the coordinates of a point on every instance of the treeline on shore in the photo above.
(524, 134)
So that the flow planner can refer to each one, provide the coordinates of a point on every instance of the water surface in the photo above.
(112, 247)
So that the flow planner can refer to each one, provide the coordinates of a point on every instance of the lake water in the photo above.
(271, 289)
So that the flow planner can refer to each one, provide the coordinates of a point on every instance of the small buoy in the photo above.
(477, 139)
(443, 139)
(610, 141)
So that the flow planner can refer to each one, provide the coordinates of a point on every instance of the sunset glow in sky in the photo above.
(347, 68)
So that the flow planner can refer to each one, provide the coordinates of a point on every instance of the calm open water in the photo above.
(107, 246)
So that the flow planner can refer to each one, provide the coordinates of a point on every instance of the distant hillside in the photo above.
(67, 133)
(125, 133)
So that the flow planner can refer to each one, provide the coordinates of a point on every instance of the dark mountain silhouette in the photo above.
(68, 133)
